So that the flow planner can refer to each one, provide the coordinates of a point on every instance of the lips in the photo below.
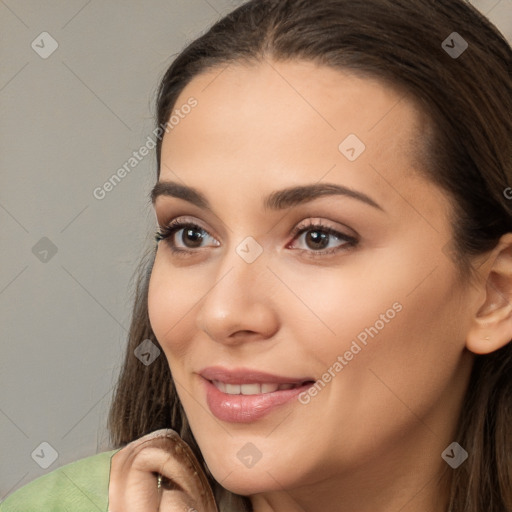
(246, 395)
(248, 376)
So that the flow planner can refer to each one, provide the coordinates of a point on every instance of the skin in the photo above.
(133, 471)
(372, 438)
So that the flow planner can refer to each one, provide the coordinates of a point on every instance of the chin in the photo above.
(264, 475)
(249, 483)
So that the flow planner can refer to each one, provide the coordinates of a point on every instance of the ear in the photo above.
(491, 325)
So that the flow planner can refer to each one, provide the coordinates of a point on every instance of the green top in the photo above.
(81, 486)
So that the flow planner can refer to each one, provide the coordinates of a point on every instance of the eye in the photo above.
(192, 235)
(320, 237)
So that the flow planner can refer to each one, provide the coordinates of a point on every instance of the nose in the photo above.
(241, 303)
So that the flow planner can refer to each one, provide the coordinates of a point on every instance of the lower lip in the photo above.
(247, 408)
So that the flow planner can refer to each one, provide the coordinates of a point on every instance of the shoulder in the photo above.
(79, 486)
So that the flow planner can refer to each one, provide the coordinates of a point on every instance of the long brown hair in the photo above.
(466, 148)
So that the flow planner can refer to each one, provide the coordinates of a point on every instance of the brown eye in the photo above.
(317, 238)
(189, 239)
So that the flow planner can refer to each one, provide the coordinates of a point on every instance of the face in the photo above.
(311, 333)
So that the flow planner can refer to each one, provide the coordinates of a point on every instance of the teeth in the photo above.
(251, 389)
(233, 389)
(269, 388)
(221, 386)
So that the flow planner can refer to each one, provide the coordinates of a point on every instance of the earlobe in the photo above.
(491, 326)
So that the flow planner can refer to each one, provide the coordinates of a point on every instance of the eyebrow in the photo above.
(278, 200)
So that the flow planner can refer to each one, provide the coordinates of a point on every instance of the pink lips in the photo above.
(263, 392)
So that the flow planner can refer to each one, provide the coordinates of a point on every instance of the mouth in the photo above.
(246, 395)
(243, 376)
(255, 388)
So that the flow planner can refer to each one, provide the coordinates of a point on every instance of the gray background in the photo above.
(67, 123)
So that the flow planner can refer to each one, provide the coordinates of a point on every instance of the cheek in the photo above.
(427, 341)
(172, 295)
(326, 310)
(410, 359)
(401, 322)
(167, 315)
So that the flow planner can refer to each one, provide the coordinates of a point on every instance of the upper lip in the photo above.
(248, 376)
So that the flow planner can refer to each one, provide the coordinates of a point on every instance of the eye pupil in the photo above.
(317, 237)
(194, 236)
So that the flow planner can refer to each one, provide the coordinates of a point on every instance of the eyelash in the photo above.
(166, 233)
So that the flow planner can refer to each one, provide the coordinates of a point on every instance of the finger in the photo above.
(134, 469)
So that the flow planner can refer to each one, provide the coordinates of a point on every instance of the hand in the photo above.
(133, 485)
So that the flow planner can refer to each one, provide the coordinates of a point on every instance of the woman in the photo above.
(331, 284)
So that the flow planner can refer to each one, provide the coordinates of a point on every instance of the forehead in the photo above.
(300, 102)
(293, 122)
